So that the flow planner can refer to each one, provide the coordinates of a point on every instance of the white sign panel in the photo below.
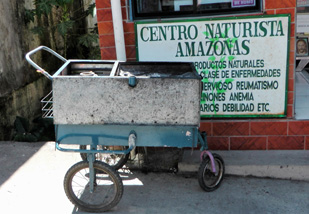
(302, 23)
(243, 61)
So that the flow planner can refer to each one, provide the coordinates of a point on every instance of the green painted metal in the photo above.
(117, 135)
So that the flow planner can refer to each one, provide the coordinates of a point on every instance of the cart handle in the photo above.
(39, 69)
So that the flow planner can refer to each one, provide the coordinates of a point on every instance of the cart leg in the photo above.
(90, 158)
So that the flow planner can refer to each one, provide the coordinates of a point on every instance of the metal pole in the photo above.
(118, 30)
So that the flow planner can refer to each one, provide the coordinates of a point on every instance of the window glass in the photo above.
(174, 8)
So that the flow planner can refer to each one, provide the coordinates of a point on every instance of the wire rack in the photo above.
(47, 103)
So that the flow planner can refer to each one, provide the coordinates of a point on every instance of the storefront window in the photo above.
(173, 8)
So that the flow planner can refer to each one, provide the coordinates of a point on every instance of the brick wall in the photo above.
(106, 32)
(228, 134)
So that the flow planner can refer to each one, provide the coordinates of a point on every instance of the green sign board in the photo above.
(243, 60)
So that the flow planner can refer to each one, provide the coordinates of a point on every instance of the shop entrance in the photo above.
(302, 61)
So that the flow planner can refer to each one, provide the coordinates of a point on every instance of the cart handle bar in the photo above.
(39, 69)
(131, 141)
(120, 152)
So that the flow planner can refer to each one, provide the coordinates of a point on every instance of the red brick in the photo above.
(287, 11)
(105, 28)
(292, 30)
(291, 57)
(230, 128)
(290, 111)
(206, 127)
(290, 97)
(129, 38)
(286, 142)
(292, 44)
(248, 143)
(218, 143)
(298, 128)
(107, 41)
(269, 128)
(103, 4)
(128, 27)
(123, 2)
(108, 53)
(291, 85)
(124, 13)
(104, 15)
(270, 12)
(275, 4)
(291, 71)
(307, 143)
(130, 52)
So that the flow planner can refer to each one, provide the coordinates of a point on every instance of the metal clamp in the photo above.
(39, 69)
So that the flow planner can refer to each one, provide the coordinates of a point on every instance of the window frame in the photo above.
(179, 14)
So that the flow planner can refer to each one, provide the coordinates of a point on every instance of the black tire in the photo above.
(108, 188)
(114, 160)
(206, 178)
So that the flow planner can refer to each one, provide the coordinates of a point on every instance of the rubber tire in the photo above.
(101, 168)
(205, 167)
(122, 161)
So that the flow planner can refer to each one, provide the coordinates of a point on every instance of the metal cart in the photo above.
(111, 107)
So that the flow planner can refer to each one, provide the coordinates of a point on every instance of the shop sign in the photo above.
(243, 60)
(243, 3)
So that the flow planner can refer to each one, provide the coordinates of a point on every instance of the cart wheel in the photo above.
(107, 190)
(208, 180)
(114, 160)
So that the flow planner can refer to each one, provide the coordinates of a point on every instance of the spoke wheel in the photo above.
(208, 180)
(107, 188)
(114, 160)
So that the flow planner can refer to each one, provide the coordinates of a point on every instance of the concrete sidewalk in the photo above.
(31, 181)
(281, 164)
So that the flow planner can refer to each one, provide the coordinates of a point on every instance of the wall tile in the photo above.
(291, 85)
(286, 142)
(270, 12)
(103, 4)
(123, 3)
(108, 53)
(130, 52)
(290, 97)
(291, 71)
(248, 143)
(292, 44)
(105, 28)
(287, 11)
(128, 27)
(107, 41)
(298, 128)
(292, 30)
(104, 15)
(129, 38)
(230, 128)
(206, 127)
(124, 13)
(291, 58)
(218, 143)
(290, 111)
(269, 128)
(274, 4)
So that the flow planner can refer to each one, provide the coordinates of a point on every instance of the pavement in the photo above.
(280, 164)
(31, 181)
